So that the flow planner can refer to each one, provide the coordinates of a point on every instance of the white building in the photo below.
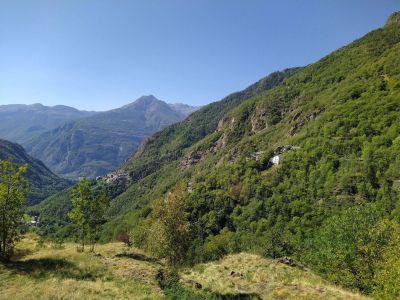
(275, 160)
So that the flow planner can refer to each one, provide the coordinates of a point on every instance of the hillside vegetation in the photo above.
(341, 117)
(42, 181)
(53, 271)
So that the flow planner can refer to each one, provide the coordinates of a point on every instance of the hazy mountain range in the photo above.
(75, 143)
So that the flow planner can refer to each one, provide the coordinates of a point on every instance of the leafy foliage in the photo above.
(42, 181)
(88, 211)
(167, 233)
(12, 199)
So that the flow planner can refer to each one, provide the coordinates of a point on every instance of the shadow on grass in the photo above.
(182, 293)
(237, 296)
(45, 267)
(138, 256)
(20, 253)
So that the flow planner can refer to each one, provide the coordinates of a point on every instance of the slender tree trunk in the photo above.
(5, 225)
(83, 238)
(3, 233)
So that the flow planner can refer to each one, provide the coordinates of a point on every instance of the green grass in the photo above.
(48, 273)
(254, 276)
(117, 272)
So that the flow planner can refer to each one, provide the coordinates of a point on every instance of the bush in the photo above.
(348, 246)
(124, 238)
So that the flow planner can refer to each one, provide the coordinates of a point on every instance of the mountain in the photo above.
(182, 108)
(42, 181)
(309, 168)
(175, 137)
(20, 123)
(95, 145)
(304, 163)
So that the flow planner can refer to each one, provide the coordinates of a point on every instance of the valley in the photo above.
(76, 143)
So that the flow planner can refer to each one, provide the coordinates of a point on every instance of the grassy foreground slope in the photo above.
(117, 272)
(251, 274)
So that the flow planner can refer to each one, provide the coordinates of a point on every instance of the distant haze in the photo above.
(74, 143)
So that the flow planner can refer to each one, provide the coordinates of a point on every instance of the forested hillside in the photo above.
(176, 137)
(330, 196)
(341, 115)
(42, 182)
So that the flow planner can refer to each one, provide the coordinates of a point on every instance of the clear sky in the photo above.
(101, 54)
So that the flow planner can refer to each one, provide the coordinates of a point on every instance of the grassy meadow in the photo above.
(50, 271)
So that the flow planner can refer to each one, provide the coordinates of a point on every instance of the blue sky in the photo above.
(102, 54)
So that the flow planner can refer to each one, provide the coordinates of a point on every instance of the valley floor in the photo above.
(117, 272)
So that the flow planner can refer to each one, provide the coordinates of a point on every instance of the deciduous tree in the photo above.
(13, 189)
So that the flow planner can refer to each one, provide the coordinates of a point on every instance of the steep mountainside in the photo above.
(41, 180)
(20, 123)
(332, 201)
(305, 163)
(154, 157)
(95, 145)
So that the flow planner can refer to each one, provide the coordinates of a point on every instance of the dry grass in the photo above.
(116, 272)
(48, 273)
(251, 274)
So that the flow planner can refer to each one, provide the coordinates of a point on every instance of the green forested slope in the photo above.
(159, 151)
(42, 182)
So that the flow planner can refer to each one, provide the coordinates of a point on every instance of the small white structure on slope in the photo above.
(275, 160)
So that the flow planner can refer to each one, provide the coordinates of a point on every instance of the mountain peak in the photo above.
(143, 100)
(393, 20)
(148, 98)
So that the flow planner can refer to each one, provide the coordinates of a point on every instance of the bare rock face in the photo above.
(259, 120)
(139, 152)
(194, 157)
(227, 122)
(290, 262)
(116, 178)
(222, 141)
(299, 121)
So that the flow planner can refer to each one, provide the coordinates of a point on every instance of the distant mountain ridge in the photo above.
(94, 145)
(184, 109)
(20, 123)
(42, 181)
